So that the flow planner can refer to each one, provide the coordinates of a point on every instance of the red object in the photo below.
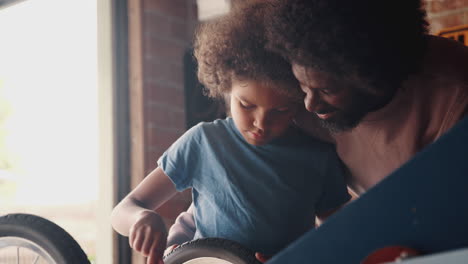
(389, 254)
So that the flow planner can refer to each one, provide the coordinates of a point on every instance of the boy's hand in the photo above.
(169, 249)
(262, 258)
(148, 236)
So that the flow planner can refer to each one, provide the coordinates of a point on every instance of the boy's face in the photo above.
(259, 112)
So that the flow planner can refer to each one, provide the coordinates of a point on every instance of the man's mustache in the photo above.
(326, 110)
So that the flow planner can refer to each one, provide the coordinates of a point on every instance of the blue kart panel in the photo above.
(423, 205)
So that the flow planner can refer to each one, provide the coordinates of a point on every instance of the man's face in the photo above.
(338, 103)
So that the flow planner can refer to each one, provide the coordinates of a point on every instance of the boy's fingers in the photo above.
(261, 257)
(131, 239)
(153, 259)
(147, 244)
(137, 242)
(169, 249)
(156, 252)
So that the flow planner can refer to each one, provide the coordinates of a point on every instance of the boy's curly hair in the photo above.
(381, 41)
(233, 48)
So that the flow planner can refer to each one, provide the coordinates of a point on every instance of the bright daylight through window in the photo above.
(49, 114)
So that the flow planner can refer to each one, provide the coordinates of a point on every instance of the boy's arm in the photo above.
(135, 217)
(323, 216)
(152, 192)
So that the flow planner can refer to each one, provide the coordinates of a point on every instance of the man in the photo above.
(373, 77)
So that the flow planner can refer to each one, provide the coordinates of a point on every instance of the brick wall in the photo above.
(167, 33)
(446, 13)
(160, 31)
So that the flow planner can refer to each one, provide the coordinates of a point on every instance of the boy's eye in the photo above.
(246, 106)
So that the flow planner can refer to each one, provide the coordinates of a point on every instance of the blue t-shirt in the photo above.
(263, 197)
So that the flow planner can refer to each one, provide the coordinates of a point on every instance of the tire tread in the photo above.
(217, 243)
(44, 233)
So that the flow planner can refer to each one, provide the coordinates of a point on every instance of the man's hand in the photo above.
(148, 236)
(262, 258)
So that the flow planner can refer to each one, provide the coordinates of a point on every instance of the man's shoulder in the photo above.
(445, 58)
(443, 78)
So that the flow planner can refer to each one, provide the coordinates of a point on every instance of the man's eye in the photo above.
(282, 110)
(304, 88)
(326, 91)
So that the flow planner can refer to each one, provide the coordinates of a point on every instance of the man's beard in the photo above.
(341, 124)
(348, 118)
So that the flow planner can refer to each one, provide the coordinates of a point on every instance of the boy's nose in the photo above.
(260, 121)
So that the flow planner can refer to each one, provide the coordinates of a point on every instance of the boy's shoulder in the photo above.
(215, 125)
(219, 128)
(299, 138)
(203, 134)
(303, 150)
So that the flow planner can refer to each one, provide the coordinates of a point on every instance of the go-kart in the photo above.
(27, 238)
(422, 206)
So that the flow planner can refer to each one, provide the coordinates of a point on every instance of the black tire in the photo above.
(211, 247)
(53, 239)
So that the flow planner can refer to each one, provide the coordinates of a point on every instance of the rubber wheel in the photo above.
(47, 239)
(211, 251)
